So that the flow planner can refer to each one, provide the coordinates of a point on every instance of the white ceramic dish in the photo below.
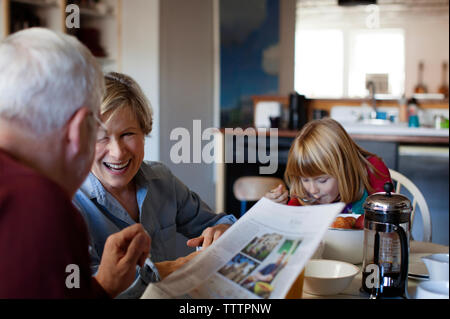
(417, 269)
(344, 244)
(437, 265)
(432, 290)
(328, 277)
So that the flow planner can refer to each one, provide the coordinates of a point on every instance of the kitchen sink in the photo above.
(363, 114)
(375, 122)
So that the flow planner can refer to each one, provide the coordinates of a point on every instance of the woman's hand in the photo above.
(208, 236)
(165, 268)
(278, 195)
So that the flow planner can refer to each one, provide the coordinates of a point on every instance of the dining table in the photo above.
(417, 250)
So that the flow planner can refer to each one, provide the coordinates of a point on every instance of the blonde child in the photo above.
(325, 165)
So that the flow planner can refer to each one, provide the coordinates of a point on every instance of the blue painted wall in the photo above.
(247, 30)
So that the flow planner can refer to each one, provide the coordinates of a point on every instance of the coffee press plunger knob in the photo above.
(388, 188)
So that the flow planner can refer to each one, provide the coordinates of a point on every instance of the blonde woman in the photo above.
(122, 189)
(325, 165)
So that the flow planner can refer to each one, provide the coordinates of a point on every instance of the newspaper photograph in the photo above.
(260, 256)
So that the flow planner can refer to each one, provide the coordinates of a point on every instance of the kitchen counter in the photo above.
(394, 129)
(400, 133)
(394, 133)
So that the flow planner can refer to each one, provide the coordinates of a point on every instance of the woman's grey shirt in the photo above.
(166, 206)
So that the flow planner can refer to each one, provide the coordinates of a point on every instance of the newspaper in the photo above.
(260, 256)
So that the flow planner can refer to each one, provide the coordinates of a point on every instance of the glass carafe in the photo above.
(386, 243)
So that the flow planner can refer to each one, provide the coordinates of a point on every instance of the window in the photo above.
(338, 62)
(319, 63)
(376, 52)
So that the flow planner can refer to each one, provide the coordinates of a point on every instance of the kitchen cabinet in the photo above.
(99, 28)
(428, 168)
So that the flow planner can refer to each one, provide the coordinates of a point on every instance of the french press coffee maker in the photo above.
(386, 243)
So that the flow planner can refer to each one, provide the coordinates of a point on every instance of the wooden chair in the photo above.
(402, 181)
(253, 188)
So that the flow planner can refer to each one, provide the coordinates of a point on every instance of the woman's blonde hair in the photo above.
(323, 147)
(122, 91)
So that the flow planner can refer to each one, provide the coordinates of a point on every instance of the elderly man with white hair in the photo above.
(50, 92)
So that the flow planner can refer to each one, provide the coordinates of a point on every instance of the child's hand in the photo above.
(278, 195)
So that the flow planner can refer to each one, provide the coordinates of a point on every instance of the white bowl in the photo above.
(432, 290)
(437, 266)
(344, 244)
(328, 277)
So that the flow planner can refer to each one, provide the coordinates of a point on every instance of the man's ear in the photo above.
(76, 131)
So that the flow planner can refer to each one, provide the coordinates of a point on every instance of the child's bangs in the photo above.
(310, 164)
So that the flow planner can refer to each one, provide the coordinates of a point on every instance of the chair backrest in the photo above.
(418, 199)
(253, 188)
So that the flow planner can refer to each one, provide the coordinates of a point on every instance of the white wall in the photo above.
(140, 58)
(426, 39)
(187, 55)
(287, 46)
(2, 18)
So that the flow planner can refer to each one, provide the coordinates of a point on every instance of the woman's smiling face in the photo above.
(119, 150)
